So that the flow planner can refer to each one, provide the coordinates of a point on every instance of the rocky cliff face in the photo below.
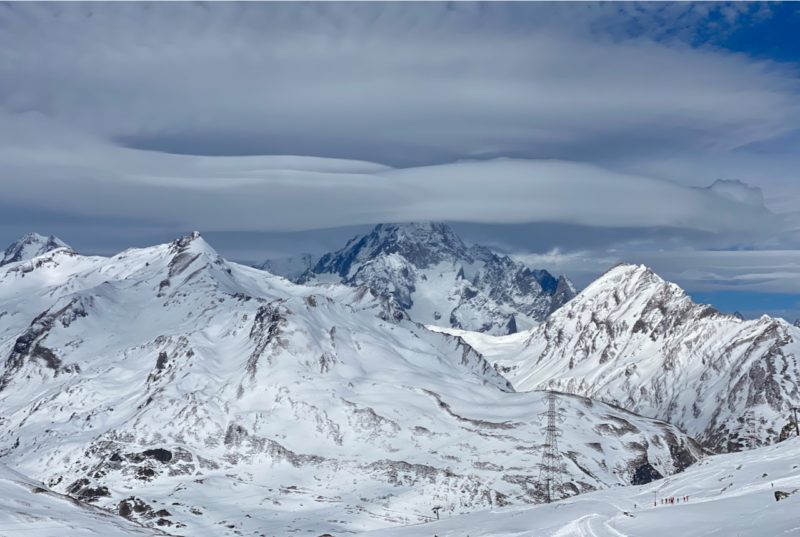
(431, 274)
(637, 341)
(187, 392)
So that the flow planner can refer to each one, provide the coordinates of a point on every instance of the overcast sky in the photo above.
(570, 135)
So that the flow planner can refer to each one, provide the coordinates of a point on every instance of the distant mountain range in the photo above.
(186, 392)
(429, 272)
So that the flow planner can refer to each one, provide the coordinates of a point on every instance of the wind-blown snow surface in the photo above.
(729, 495)
(210, 398)
(640, 342)
(28, 508)
(30, 246)
(429, 272)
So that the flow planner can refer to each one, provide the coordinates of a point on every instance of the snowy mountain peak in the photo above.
(421, 244)
(638, 341)
(432, 274)
(627, 281)
(630, 272)
(192, 241)
(193, 247)
(29, 246)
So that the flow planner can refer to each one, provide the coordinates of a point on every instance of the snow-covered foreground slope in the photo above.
(28, 508)
(430, 273)
(728, 495)
(637, 341)
(209, 398)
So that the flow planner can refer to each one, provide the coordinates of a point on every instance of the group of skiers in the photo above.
(670, 500)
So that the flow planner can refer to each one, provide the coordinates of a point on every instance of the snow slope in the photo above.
(209, 398)
(492, 348)
(30, 246)
(729, 495)
(637, 341)
(28, 508)
(430, 273)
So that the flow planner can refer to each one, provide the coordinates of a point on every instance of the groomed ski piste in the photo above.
(730, 495)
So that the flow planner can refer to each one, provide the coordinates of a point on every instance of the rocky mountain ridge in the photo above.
(429, 272)
(637, 341)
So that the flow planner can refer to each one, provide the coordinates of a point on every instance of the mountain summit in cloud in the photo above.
(433, 275)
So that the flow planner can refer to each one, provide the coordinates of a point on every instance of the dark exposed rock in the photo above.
(248, 445)
(266, 330)
(159, 454)
(161, 362)
(77, 486)
(145, 474)
(134, 507)
(80, 489)
(29, 347)
(644, 474)
(789, 430)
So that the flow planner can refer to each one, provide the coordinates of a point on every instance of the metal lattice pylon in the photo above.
(551, 469)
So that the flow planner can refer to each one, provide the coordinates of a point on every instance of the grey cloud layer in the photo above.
(261, 193)
(403, 84)
(139, 117)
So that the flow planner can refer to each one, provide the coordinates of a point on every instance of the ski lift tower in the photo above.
(551, 468)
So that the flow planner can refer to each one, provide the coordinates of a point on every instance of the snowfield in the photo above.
(203, 397)
(728, 495)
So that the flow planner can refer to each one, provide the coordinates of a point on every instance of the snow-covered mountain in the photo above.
(635, 340)
(430, 273)
(731, 494)
(194, 395)
(29, 246)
